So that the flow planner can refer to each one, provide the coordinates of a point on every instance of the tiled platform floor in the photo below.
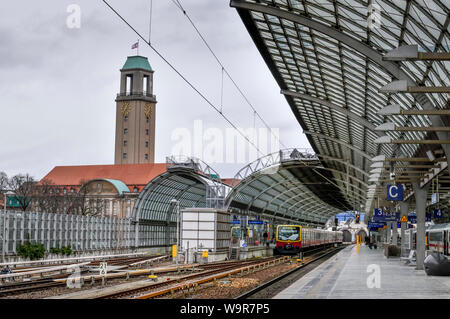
(346, 275)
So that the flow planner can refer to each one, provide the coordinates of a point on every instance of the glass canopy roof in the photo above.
(326, 58)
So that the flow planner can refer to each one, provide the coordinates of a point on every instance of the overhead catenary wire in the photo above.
(183, 77)
(179, 5)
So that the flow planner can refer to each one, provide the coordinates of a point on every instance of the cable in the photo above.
(178, 4)
(150, 23)
(186, 80)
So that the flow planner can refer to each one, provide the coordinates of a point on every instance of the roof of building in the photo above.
(130, 174)
(137, 62)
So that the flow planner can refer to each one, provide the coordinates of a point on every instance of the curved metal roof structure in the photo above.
(189, 181)
(327, 58)
(289, 185)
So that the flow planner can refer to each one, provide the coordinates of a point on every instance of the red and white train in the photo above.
(292, 239)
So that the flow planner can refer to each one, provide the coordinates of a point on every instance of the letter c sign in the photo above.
(395, 192)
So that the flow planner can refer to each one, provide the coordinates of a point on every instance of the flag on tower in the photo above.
(135, 46)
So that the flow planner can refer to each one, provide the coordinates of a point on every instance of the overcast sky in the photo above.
(58, 84)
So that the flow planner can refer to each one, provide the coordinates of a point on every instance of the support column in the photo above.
(421, 202)
(403, 212)
(386, 234)
(394, 233)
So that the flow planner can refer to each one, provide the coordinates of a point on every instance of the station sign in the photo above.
(437, 213)
(375, 226)
(255, 222)
(412, 218)
(394, 192)
(380, 216)
(235, 221)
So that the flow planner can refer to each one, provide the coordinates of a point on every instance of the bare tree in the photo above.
(47, 197)
(23, 187)
(81, 202)
(4, 181)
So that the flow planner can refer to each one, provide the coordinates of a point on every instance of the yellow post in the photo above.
(174, 251)
(357, 244)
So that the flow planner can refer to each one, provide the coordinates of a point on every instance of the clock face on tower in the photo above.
(148, 110)
(126, 108)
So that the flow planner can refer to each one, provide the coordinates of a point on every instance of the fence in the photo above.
(81, 233)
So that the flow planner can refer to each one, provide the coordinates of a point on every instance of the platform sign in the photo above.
(374, 226)
(235, 221)
(391, 217)
(412, 218)
(428, 217)
(378, 212)
(103, 269)
(434, 198)
(437, 213)
(243, 243)
(395, 192)
(255, 222)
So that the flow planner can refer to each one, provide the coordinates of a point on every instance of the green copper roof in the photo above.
(137, 62)
(119, 185)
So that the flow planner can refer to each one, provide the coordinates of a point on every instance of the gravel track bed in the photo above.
(238, 284)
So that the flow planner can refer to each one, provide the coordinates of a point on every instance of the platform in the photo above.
(348, 275)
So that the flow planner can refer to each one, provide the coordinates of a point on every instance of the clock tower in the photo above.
(135, 113)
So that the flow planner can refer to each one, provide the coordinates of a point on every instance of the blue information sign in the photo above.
(395, 192)
(257, 222)
(437, 213)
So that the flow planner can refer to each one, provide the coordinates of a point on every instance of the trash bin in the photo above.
(437, 264)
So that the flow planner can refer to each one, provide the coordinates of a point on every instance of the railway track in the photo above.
(48, 283)
(273, 286)
(211, 272)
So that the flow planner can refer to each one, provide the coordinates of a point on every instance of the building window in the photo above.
(146, 144)
(65, 191)
(146, 156)
(135, 189)
(125, 131)
(115, 208)
(125, 119)
(99, 187)
(107, 207)
(72, 190)
(125, 143)
(124, 155)
(148, 119)
(146, 131)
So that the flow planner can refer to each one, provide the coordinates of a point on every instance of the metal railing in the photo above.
(135, 94)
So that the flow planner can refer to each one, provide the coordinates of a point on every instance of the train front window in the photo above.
(288, 233)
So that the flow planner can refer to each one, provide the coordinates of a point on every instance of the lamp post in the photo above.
(174, 201)
(4, 225)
